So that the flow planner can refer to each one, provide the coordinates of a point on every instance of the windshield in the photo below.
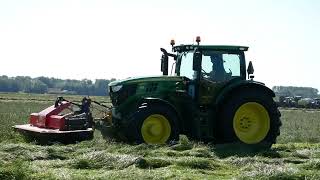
(184, 65)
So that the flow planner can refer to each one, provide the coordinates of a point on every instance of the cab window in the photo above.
(218, 66)
(232, 64)
(185, 66)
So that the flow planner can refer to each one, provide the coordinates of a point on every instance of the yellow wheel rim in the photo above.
(156, 129)
(251, 123)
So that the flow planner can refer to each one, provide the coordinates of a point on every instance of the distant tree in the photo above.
(46, 81)
(41, 85)
(101, 87)
(37, 87)
(8, 84)
(295, 91)
(3, 83)
(24, 83)
(13, 85)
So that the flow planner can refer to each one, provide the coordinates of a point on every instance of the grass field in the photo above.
(296, 156)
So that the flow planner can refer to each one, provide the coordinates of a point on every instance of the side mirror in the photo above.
(164, 62)
(250, 70)
(197, 59)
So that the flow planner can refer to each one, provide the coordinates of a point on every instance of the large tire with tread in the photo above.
(155, 124)
(250, 117)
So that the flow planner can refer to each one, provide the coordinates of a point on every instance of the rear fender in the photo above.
(243, 86)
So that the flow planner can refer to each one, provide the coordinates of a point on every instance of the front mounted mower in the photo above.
(62, 122)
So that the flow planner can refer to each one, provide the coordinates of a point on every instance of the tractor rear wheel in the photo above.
(250, 117)
(154, 125)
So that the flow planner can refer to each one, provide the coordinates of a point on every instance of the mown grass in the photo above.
(297, 156)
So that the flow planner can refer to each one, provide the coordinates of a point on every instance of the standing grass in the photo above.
(16, 112)
(300, 126)
(296, 157)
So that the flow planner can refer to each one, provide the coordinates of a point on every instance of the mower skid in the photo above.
(28, 127)
(47, 136)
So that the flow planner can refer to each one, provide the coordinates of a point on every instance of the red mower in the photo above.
(60, 123)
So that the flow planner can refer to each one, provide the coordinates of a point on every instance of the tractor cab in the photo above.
(212, 63)
(207, 67)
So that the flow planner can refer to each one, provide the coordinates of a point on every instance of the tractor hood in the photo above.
(136, 80)
(124, 92)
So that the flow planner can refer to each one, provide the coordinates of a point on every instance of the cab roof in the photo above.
(182, 47)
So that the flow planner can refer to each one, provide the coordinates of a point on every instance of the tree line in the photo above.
(291, 91)
(53, 85)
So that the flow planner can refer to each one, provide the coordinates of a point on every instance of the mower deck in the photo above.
(44, 136)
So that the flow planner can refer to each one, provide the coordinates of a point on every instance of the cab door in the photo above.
(218, 68)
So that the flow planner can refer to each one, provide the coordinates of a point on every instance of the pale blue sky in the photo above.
(117, 38)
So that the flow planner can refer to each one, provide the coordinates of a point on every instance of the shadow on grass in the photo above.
(243, 150)
(152, 163)
(108, 133)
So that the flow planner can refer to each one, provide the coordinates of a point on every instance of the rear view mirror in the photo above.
(250, 70)
(164, 62)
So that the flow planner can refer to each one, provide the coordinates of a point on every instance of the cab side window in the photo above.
(231, 64)
(206, 65)
(218, 66)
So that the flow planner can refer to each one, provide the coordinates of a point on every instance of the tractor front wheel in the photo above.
(154, 125)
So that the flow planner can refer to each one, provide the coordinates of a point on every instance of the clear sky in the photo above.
(121, 38)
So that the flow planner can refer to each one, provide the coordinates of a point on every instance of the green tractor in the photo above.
(209, 98)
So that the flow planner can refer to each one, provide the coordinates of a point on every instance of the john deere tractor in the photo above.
(209, 98)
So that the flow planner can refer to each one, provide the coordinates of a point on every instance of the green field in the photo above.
(296, 156)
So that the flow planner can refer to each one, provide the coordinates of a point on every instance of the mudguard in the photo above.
(145, 102)
(236, 87)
